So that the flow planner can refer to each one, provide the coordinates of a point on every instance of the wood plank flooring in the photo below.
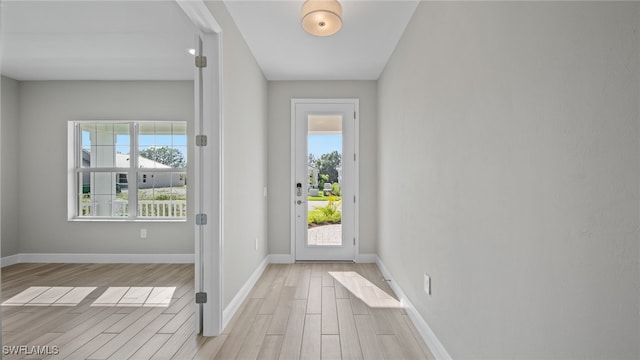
(146, 311)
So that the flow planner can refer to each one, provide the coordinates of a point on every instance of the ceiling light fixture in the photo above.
(321, 17)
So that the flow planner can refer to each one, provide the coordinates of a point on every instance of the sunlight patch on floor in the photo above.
(50, 296)
(140, 296)
(136, 296)
(365, 290)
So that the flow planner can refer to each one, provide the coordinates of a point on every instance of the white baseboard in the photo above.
(99, 258)
(10, 260)
(280, 259)
(421, 325)
(237, 300)
(367, 258)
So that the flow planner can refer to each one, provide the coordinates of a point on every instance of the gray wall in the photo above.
(279, 130)
(514, 126)
(45, 108)
(9, 122)
(245, 157)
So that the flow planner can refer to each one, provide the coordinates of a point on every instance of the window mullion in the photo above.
(77, 140)
(133, 173)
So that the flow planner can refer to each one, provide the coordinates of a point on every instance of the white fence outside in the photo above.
(146, 209)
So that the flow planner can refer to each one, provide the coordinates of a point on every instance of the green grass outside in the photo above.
(317, 217)
(322, 198)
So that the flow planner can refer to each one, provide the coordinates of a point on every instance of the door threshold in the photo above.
(325, 262)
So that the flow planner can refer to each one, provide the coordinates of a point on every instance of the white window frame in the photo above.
(74, 168)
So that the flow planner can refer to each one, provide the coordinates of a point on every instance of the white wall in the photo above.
(279, 129)
(509, 172)
(9, 142)
(45, 108)
(245, 156)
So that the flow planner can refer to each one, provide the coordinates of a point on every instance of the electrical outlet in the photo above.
(264, 191)
(427, 284)
(256, 244)
(143, 233)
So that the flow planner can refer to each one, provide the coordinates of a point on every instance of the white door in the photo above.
(324, 174)
(207, 183)
(207, 162)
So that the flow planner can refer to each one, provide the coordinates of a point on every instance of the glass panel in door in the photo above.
(324, 170)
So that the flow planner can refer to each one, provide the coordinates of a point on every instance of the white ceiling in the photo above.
(96, 40)
(148, 40)
(359, 51)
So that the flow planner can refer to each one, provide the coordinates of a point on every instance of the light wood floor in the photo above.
(300, 311)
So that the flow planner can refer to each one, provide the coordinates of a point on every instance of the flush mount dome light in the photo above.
(321, 17)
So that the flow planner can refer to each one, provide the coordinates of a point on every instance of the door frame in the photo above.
(208, 182)
(356, 180)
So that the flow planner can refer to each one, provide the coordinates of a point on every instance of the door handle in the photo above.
(299, 202)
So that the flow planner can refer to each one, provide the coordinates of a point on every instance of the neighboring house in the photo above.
(147, 180)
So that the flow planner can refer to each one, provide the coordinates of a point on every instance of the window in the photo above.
(128, 170)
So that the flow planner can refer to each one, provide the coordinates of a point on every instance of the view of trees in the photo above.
(326, 165)
(165, 155)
